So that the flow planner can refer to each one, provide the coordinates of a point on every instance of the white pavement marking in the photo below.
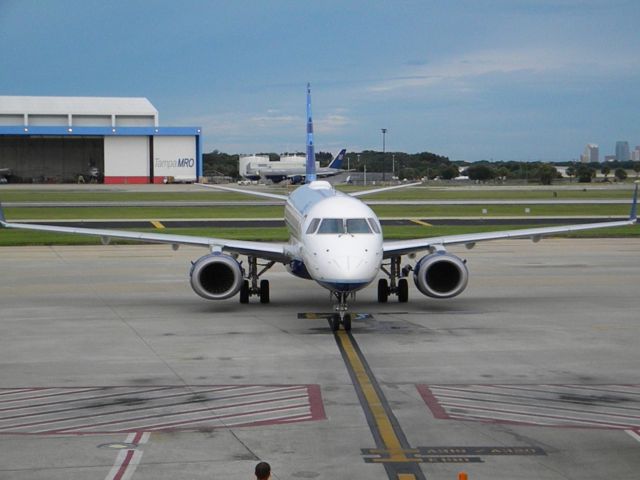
(126, 409)
(635, 435)
(128, 459)
(593, 406)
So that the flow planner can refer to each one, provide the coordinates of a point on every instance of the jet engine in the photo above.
(216, 276)
(441, 275)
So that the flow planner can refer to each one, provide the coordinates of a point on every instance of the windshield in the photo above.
(343, 225)
(357, 225)
(331, 225)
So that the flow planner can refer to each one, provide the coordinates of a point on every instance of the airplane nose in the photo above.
(348, 263)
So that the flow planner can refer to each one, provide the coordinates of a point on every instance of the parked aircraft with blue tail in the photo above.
(335, 240)
(285, 169)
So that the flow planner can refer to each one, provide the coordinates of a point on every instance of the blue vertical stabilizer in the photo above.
(311, 156)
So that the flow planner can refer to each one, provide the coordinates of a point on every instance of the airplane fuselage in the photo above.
(335, 239)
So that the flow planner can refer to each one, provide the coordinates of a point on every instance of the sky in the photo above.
(468, 79)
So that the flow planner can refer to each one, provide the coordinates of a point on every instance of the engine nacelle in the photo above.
(216, 276)
(441, 275)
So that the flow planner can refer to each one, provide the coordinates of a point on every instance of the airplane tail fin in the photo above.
(311, 156)
(633, 215)
(337, 162)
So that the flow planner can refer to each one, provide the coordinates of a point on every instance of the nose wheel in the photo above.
(341, 315)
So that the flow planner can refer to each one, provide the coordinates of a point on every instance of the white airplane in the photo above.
(297, 174)
(335, 240)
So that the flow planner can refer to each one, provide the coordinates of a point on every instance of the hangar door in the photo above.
(175, 157)
(37, 159)
(126, 159)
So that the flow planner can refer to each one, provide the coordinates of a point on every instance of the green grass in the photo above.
(488, 192)
(21, 237)
(253, 211)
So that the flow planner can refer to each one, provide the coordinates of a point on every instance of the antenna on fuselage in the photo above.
(310, 175)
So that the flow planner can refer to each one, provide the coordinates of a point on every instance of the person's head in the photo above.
(263, 471)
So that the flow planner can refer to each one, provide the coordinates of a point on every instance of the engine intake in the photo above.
(441, 275)
(216, 276)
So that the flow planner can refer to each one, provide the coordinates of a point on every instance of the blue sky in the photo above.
(494, 79)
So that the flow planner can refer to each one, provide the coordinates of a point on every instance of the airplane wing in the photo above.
(268, 251)
(246, 192)
(403, 247)
(383, 189)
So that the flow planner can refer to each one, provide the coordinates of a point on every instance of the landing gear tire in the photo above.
(335, 322)
(403, 290)
(383, 290)
(244, 292)
(264, 291)
(346, 322)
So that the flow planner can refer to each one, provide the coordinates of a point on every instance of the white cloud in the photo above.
(264, 131)
(459, 72)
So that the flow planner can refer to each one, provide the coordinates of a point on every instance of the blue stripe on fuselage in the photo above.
(343, 286)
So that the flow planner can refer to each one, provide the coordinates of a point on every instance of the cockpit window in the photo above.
(357, 225)
(374, 225)
(342, 225)
(313, 226)
(331, 225)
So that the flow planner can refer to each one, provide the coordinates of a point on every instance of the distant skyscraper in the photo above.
(635, 155)
(622, 151)
(590, 154)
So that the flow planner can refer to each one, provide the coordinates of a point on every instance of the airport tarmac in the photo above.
(112, 368)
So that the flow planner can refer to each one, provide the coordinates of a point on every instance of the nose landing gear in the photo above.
(342, 316)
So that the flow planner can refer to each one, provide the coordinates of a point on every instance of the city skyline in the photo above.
(502, 80)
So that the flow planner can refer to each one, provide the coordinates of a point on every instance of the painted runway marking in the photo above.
(400, 460)
(157, 224)
(634, 434)
(582, 406)
(421, 222)
(127, 409)
(393, 449)
(129, 458)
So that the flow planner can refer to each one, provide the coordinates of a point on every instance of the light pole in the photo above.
(393, 166)
(384, 133)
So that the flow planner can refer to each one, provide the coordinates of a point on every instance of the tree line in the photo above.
(403, 165)
(431, 166)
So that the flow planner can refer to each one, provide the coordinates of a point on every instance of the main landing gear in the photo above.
(397, 283)
(342, 316)
(250, 285)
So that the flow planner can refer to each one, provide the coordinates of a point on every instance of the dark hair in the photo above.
(263, 470)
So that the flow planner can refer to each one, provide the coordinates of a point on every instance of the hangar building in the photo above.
(57, 139)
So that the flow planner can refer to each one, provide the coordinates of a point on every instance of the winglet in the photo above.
(311, 156)
(633, 215)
